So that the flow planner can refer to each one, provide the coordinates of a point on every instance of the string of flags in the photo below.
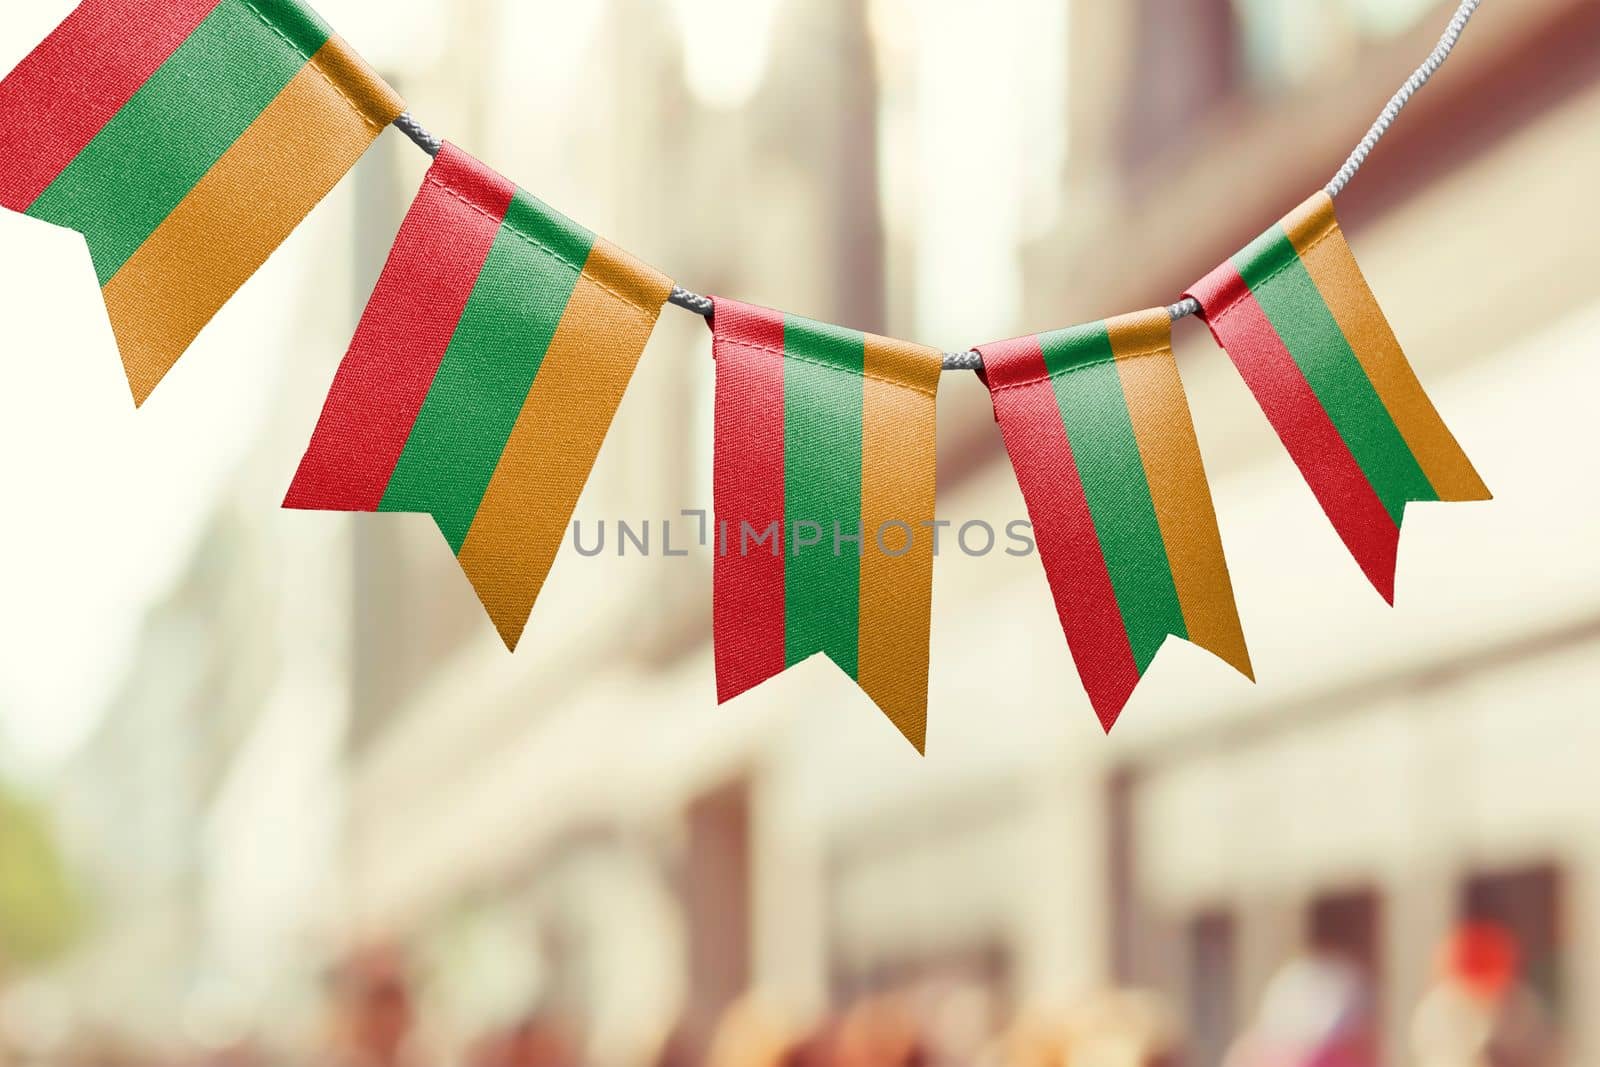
(186, 139)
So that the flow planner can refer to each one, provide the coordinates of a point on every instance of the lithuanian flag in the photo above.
(1300, 322)
(185, 139)
(824, 486)
(1098, 429)
(482, 379)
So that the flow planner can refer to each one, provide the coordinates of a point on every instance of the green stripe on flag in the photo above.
(484, 378)
(294, 20)
(1293, 304)
(549, 230)
(822, 411)
(1071, 348)
(1095, 412)
(126, 182)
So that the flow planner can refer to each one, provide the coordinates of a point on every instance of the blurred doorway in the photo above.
(1348, 925)
(1527, 903)
(716, 897)
(1213, 981)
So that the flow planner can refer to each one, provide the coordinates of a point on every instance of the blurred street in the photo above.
(272, 792)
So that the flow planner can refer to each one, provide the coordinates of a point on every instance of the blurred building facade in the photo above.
(354, 758)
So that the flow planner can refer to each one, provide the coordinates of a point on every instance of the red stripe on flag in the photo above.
(1036, 439)
(63, 94)
(1280, 387)
(748, 586)
(403, 335)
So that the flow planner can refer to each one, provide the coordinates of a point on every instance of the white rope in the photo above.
(1397, 103)
(408, 125)
(1184, 308)
(701, 305)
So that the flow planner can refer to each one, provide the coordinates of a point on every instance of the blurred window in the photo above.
(1349, 925)
(1202, 53)
(726, 47)
(983, 965)
(1212, 980)
(1181, 72)
(1527, 903)
(716, 889)
(1288, 41)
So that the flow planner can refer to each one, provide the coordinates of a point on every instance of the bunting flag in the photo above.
(482, 379)
(824, 489)
(185, 140)
(1300, 322)
(1098, 429)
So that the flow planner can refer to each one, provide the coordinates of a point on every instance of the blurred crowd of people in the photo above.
(1319, 1011)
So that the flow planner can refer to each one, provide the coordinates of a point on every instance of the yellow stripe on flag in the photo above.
(522, 519)
(897, 486)
(221, 233)
(1313, 229)
(1142, 343)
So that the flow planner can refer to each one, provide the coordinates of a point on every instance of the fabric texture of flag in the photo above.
(185, 140)
(482, 379)
(1098, 429)
(1298, 319)
(824, 494)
